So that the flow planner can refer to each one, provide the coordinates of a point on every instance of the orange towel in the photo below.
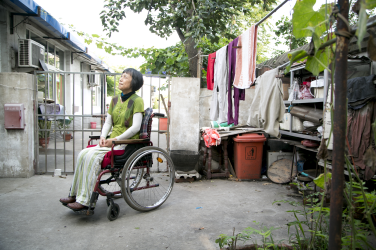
(246, 59)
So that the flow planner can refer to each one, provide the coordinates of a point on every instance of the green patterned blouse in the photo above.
(119, 115)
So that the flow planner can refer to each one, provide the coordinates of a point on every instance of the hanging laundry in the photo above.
(239, 94)
(360, 90)
(218, 107)
(267, 108)
(359, 134)
(210, 71)
(246, 59)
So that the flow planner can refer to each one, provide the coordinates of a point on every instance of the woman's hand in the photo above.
(102, 142)
(108, 142)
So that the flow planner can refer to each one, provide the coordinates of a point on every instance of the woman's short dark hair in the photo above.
(137, 79)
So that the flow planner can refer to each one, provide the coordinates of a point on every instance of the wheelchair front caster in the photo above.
(113, 211)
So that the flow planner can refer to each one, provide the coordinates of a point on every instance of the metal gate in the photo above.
(72, 106)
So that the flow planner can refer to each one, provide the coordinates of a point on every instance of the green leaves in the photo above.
(363, 18)
(318, 62)
(304, 16)
(295, 56)
(319, 181)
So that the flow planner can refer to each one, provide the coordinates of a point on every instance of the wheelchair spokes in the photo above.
(150, 190)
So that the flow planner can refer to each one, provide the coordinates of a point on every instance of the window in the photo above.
(59, 57)
(53, 56)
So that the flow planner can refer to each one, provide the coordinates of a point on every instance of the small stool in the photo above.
(219, 174)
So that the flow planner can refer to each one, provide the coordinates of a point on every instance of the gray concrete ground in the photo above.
(32, 217)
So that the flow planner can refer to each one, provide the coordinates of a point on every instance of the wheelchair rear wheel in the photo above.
(147, 178)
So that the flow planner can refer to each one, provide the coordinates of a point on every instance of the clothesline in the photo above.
(261, 21)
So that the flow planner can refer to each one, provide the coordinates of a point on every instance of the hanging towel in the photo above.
(218, 108)
(267, 108)
(238, 94)
(210, 71)
(246, 59)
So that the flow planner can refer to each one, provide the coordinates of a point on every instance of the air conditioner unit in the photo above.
(30, 52)
(92, 80)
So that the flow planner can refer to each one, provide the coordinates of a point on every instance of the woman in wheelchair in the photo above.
(124, 117)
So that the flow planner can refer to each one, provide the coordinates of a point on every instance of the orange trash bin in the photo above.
(248, 155)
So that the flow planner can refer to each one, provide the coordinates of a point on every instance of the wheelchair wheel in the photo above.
(111, 186)
(147, 189)
(113, 211)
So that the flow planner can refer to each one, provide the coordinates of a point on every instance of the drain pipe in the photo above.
(339, 130)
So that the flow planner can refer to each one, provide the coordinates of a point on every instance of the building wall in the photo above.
(17, 156)
(184, 121)
(205, 102)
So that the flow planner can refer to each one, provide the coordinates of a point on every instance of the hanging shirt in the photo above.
(218, 107)
(210, 72)
(246, 59)
(238, 94)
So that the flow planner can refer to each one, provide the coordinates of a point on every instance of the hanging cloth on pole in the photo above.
(246, 59)
(218, 107)
(210, 71)
(239, 94)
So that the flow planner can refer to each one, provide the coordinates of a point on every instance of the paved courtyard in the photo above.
(193, 217)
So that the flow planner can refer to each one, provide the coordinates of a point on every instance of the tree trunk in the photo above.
(189, 46)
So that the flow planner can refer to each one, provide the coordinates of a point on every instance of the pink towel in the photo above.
(246, 59)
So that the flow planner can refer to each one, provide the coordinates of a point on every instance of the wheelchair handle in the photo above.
(159, 115)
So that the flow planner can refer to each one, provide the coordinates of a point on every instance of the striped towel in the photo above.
(246, 59)
(144, 125)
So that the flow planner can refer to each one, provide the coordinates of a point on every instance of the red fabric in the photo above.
(210, 71)
(211, 137)
(107, 158)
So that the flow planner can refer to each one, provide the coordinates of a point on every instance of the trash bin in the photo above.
(248, 155)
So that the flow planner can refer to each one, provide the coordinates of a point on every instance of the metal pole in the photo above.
(74, 136)
(271, 13)
(82, 110)
(54, 91)
(339, 131)
(65, 108)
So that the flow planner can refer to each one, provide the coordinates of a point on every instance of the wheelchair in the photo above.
(142, 174)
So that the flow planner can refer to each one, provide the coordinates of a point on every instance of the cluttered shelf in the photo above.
(304, 101)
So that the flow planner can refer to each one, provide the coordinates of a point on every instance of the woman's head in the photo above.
(131, 80)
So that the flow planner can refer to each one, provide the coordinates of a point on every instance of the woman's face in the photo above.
(125, 83)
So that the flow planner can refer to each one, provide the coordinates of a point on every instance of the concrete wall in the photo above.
(184, 121)
(18, 147)
(205, 102)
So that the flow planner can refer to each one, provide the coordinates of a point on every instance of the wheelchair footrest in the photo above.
(85, 212)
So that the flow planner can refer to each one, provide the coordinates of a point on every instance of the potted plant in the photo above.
(44, 135)
(64, 124)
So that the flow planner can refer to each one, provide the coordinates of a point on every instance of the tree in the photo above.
(191, 19)
(285, 36)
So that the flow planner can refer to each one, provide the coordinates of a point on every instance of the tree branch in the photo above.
(180, 33)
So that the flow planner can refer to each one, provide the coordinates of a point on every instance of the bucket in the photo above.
(184, 160)
(93, 125)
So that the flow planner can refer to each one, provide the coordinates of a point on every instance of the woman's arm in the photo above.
(105, 130)
(135, 128)
(130, 132)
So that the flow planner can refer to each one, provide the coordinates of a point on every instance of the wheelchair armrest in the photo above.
(94, 137)
(159, 115)
(129, 141)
